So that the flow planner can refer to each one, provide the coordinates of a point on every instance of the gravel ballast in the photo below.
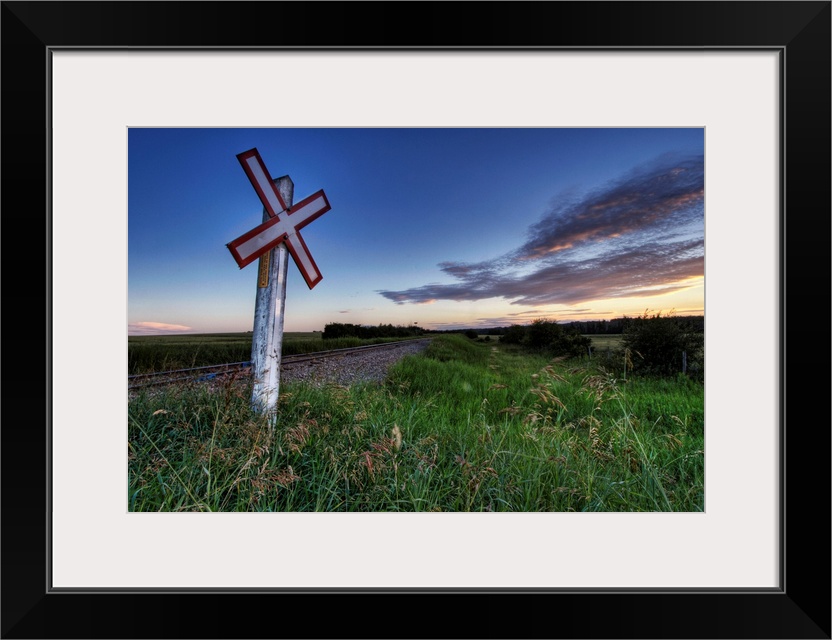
(352, 367)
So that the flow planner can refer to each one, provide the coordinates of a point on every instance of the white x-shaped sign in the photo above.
(284, 222)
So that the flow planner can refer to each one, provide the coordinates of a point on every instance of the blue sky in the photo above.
(447, 228)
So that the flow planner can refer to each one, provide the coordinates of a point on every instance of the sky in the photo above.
(447, 228)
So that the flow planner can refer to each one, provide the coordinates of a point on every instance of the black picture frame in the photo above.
(800, 608)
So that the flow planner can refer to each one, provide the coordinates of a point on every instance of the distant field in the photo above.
(601, 342)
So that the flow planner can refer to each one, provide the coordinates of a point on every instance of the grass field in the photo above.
(467, 426)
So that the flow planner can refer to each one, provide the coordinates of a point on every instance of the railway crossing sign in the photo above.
(272, 242)
(284, 223)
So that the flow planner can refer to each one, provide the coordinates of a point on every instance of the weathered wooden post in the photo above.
(272, 242)
(269, 307)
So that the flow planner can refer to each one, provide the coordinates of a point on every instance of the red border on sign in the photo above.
(253, 153)
(310, 281)
(299, 205)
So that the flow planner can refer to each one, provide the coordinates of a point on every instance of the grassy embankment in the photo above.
(466, 427)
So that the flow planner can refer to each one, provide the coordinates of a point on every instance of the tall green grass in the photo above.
(464, 426)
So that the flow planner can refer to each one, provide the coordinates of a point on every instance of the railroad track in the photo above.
(211, 372)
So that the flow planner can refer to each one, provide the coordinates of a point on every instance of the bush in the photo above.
(515, 334)
(657, 344)
(557, 340)
(571, 343)
(542, 333)
(470, 333)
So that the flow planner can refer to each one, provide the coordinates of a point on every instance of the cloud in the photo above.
(154, 328)
(344, 311)
(537, 312)
(639, 236)
(651, 200)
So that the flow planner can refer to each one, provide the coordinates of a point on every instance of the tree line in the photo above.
(344, 330)
(615, 326)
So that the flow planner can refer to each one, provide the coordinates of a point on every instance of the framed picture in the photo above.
(754, 75)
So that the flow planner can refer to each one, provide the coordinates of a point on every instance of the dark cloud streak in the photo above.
(662, 197)
(641, 235)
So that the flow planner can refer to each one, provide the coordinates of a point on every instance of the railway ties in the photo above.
(193, 374)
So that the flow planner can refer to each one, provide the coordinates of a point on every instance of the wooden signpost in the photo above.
(272, 242)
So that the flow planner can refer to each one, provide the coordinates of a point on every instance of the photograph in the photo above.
(411, 303)
(501, 319)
